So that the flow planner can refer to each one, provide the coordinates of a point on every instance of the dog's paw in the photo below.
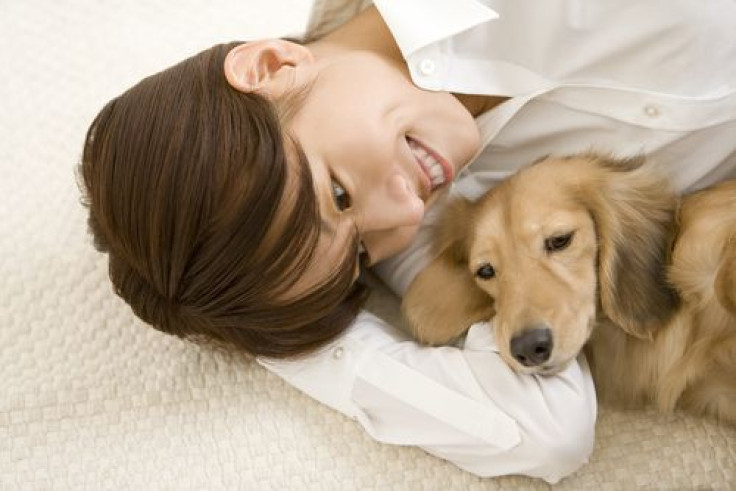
(443, 301)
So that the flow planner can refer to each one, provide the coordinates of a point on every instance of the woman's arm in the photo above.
(464, 405)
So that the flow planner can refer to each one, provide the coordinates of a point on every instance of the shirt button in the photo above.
(651, 111)
(427, 67)
(338, 353)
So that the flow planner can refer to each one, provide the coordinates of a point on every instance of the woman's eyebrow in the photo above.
(327, 227)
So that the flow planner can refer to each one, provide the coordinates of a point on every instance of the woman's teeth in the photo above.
(430, 165)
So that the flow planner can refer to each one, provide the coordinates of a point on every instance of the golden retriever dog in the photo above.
(590, 251)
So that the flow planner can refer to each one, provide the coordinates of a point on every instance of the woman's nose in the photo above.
(394, 204)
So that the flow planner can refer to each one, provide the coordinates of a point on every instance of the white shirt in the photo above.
(618, 76)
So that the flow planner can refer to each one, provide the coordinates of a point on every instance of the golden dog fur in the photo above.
(605, 255)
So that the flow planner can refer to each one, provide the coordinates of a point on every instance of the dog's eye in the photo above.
(558, 242)
(485, 271)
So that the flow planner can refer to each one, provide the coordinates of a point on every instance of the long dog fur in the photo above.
(648, 284)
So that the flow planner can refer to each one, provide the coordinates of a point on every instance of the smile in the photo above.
(437, 170)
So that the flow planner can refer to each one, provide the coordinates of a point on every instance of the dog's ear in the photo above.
(634, 211)
(725, 282)
(443, 301)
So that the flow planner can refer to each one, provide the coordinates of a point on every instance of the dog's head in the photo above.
(561, 243)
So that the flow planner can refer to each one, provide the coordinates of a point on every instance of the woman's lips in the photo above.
(436, 170)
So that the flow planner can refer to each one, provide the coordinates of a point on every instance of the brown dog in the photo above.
(582, 245)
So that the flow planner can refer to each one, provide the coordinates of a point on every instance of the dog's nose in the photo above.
(532, 346)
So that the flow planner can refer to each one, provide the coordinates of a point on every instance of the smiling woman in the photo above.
(261, 215)
(207, 235)
(377, 138)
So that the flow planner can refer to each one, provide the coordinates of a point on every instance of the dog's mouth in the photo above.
(553, 368)
(546, 370)
(557, 363)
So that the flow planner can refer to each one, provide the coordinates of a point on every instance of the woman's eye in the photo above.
(340, 196)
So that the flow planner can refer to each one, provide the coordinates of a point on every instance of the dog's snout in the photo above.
(532, 346)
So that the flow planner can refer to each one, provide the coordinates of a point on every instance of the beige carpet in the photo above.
(91, 398)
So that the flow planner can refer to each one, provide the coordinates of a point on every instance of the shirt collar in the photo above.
(419, 23)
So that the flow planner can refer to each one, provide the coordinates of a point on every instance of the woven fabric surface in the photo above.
(92, 398)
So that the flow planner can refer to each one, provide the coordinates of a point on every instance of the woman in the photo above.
(238, 192)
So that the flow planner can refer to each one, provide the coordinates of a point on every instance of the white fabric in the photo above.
(465, 405)
(431, 20)
(611, 76)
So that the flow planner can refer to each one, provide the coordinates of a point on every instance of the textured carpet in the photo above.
(92, 398)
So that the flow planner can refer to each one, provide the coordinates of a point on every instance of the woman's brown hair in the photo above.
(184, 177)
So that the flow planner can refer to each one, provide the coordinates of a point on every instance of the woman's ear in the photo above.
(267, 66)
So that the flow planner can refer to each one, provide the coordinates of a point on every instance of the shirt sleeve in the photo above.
(462, 404)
